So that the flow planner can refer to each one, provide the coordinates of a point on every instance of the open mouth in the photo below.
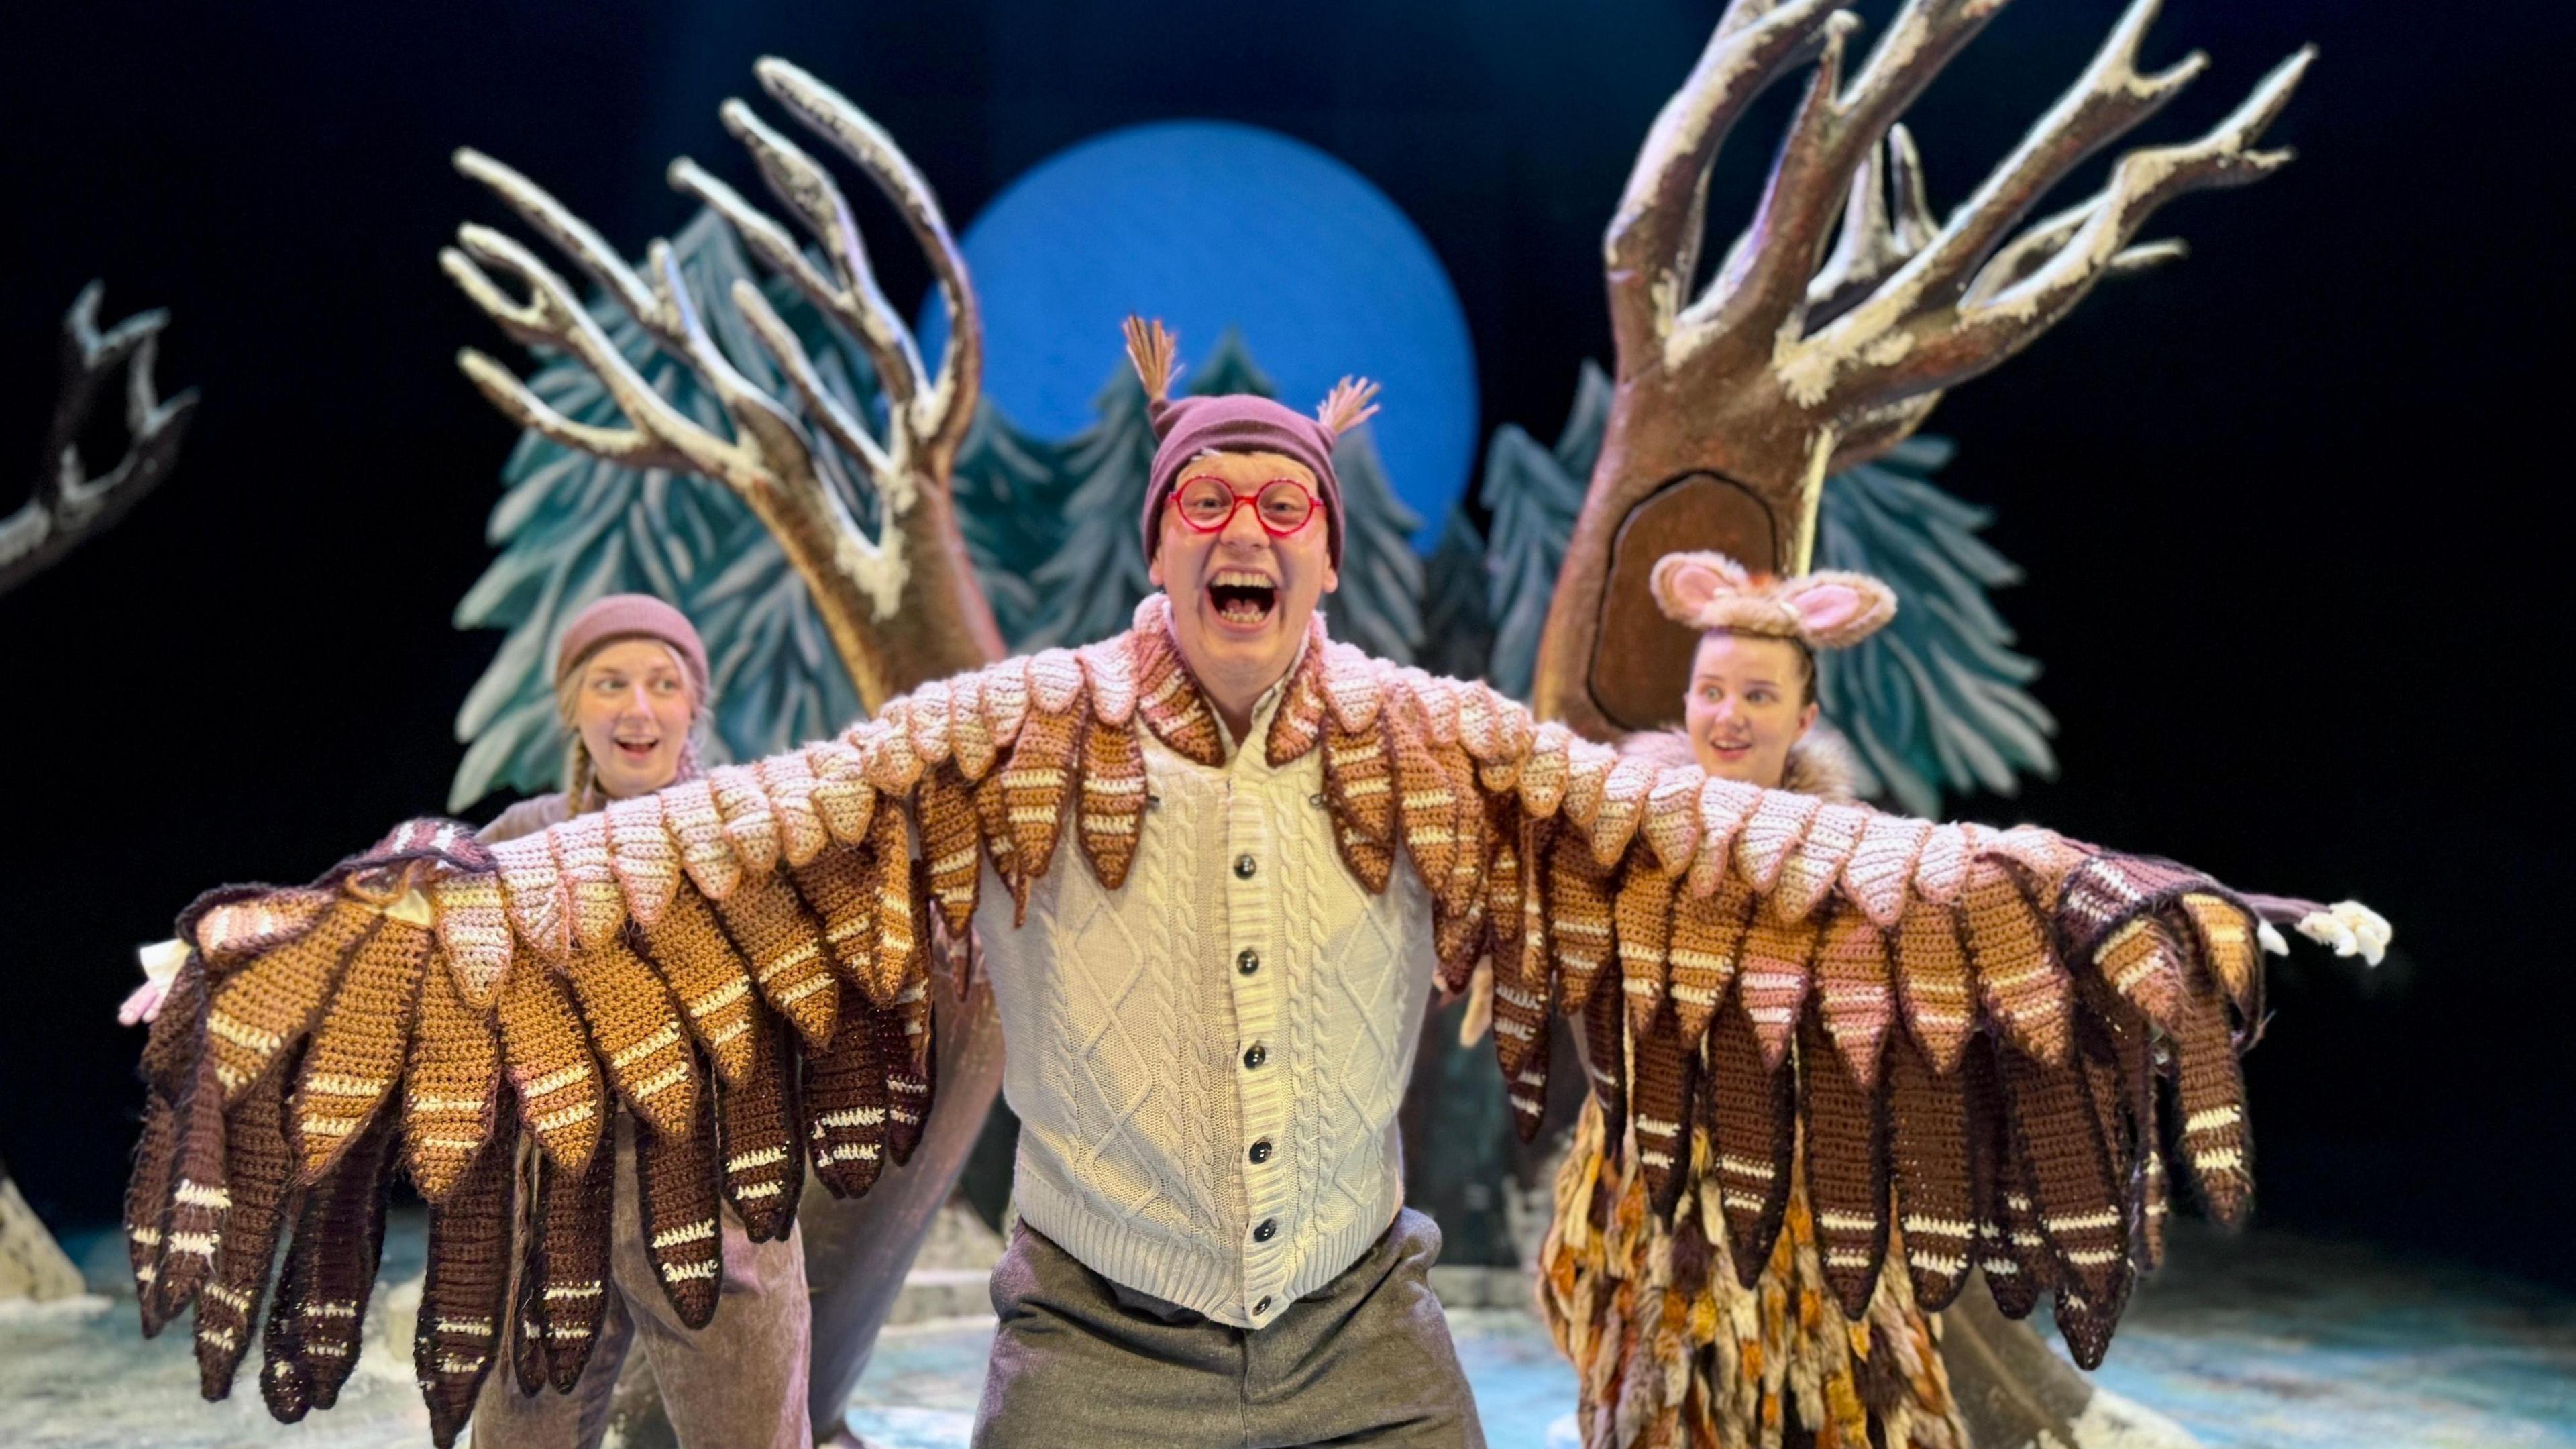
(638, 751)
(1242, 597)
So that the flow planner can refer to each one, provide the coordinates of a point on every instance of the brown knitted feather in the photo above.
(903, 943)
(845, 1102)
(993, 822)
(1671, 825)
(147, 1197)
(1524, 986)
(552, 1072)
(177, 1037)
(2145, 965)
(784, 944)
(271, 1002)
(1621, 810)
(925, 723)
(1853, 993)
(2210, 1096)
(1459, 932)
(1846, 1157)
(339, 1242)
(1666, 1068)
(191, 1217)
(358, 1042)
(675, 1193)
(2225, 934)
(908, 1069)
(462, 1293)
(1724, 805)
(450, 1086)
(1034, 786)
(1169, 700)
(1931, 972)
(637, 1029)
(285, 1375)
(2010, 1249)
(708, 976)
(575, 1212)
(1928, 1150)
(1642, 916)
(259, 1163)
(1756, 1139)
(756, 1121)
(1577, 898)
(1605, 1053)
(1778, 960)
(1708, 933)
(1545, 774)
(1112, 807)
(2078, 1195)
(2018, 978)
(1298, 724)
(952, 843)
(1426, 806)
(1359, 786)
(841, 891)
(970, 733)
(474, 934)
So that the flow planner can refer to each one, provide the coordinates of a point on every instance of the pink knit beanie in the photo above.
(629, 616)
(1238, 423)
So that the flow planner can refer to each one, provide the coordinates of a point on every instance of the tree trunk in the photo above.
(1679, 469)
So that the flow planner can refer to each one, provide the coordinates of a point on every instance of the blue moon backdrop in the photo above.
(1212, 225)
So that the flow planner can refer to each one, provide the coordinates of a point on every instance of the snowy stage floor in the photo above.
(2259, 1341)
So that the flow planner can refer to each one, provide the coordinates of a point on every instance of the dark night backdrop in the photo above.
(2288, 509)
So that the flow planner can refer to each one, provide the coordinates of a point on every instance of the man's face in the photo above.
(1745, 707)
(1241, 598)
(634, 713)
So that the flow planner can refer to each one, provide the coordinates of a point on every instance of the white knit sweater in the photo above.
(1131, 1020)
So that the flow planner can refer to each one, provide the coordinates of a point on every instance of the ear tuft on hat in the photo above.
(1837, 610)
(1828, 610)
(1352, 402)
(1150, 348)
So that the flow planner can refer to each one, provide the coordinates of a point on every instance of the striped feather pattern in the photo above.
(1847, 1172)
(1359, 787)
(561, 1099)
(1622, 809)
(1524, 986)
(840, 888)
(259, 1164)
(1778, 823)
(2018, 979)
(845, 1102)
(357, 1051)
(750, 825)
(1662, 1092)
(1931, 971)
(1757, 1134)
(473, 934)
(1937, 1200)
(597, 905)
(709, 977)
(264, 1007)
(575, 1211)
(1578, 914)
(532, 884)
(2077, 1192)
(763, 1165)
(842, 796)
(1642, 916)
(1112, 806)
(1771, 984)
(903, 940)
(1881, 867)
(1297, 726)
(706, 856)
(462, 1295)
(1708, 935)
(952, 842)
(451, 1087)
(637, 1028)
(789, 783)
(784, 944)
(1035, 786)
(2209, 1092)
(1853, 994)
(339, 1243)
(675, 1196)
(642, 855)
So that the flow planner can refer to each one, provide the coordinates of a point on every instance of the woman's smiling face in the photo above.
(1750, 700)
(634, 709)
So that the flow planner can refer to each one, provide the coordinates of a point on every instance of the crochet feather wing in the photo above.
(1980, 1034)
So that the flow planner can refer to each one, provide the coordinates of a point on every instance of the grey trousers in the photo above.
(738, 1383)
(1079, 1361)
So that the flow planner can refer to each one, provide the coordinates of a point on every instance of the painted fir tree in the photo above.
(1379, 604)
(1533, 494)
(1457, 612)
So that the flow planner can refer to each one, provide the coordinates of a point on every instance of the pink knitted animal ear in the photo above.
(1837, 610)
(1685, 583)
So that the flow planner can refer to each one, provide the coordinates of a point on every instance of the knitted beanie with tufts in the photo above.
(630, 616)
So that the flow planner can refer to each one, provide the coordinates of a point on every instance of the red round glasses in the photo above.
(1208, 503)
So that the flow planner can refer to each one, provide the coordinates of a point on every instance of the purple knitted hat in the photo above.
(1239, 423)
